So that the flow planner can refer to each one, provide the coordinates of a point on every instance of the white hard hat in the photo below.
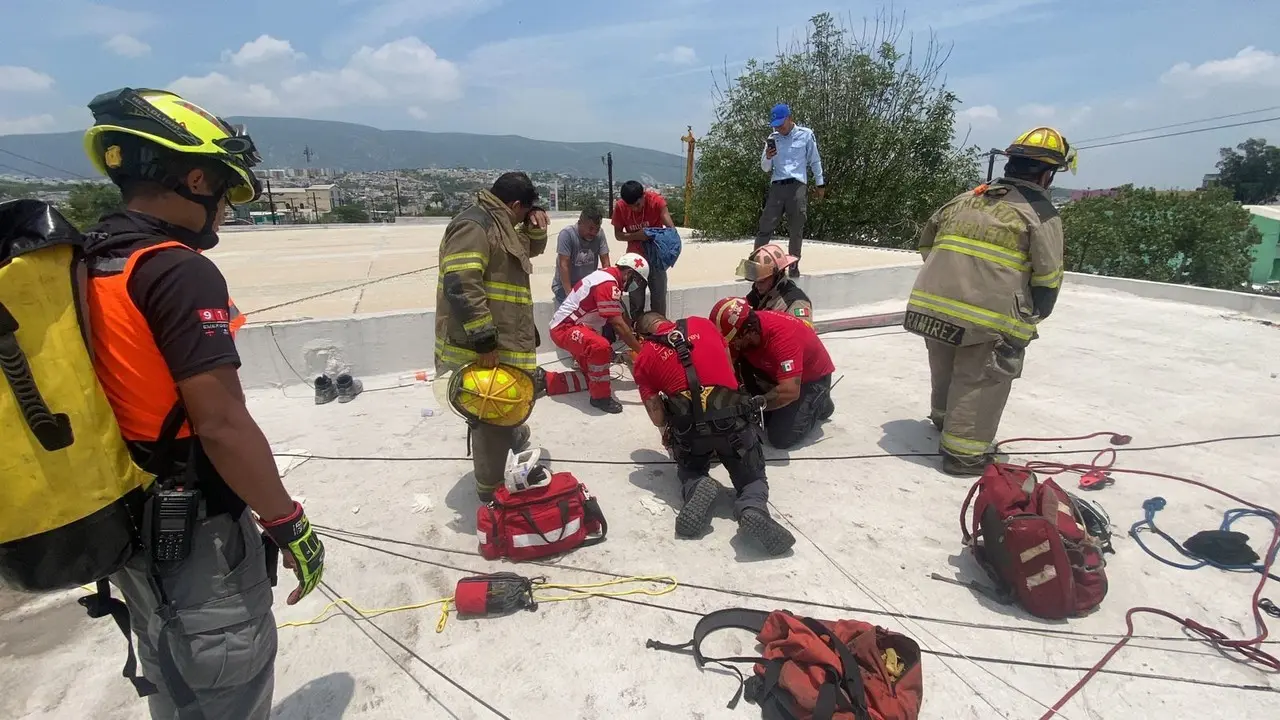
(525, 470)
(636, 262)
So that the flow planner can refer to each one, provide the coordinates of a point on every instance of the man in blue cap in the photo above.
(790, 151)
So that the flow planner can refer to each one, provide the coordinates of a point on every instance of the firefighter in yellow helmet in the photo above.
(771, 289)
(992, 270)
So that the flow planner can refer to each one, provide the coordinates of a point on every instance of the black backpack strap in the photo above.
(844, 689)
(51, 430)
(101, 604)
(740, 618)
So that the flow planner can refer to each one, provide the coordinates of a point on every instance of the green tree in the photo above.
(884, 122)
(581, 200)
(675, 204)
(1192, 238)
(1251, 171)
(346, 214)
(89, 201)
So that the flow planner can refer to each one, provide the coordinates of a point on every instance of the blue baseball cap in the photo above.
(780, 114)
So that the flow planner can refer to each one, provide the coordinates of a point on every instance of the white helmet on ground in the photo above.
(525, 470)
(635, 261)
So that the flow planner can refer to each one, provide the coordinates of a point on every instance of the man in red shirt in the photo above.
(783, 359)
(635, 210)
(680, 360)
(579, 321)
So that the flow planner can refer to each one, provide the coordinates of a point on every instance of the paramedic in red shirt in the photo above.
(579, 321)
(635, 210)
(728, 430)
(784, 360)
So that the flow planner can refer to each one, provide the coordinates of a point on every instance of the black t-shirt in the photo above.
(184, 299)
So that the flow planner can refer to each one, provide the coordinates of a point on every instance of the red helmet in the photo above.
(730, 314)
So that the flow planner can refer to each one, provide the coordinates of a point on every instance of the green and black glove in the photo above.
(302, 550)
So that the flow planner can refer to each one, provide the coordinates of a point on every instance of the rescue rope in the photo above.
(1148, 522)
(1250, 649)
(667, 584)
(335, 291)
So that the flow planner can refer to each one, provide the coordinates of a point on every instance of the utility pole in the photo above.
(398, 211)
(689, 141)
(608, 163)
(271, 201)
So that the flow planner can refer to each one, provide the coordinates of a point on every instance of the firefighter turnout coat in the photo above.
(483, 300)
(992, 266)
(785, 297)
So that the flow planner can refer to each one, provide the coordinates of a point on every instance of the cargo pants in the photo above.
(789, 424)
(221, 639)
(592, 352)
(741, 455)
(971, 386)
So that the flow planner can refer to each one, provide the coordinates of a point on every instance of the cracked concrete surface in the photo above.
(874, 530)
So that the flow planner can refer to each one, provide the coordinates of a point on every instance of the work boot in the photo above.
(609, 404)
(775, 538)
(348, 388)
(693, 517)
(539, 383)
(794, 270)
(937, 420)
(326, 391)
(485, 496)
(520, 438)
(953, 465)
(828, 409)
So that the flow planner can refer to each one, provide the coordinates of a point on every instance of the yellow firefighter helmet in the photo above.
(501, 395)
(1046, 145)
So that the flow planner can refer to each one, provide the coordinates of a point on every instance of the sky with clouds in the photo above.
(638, 73)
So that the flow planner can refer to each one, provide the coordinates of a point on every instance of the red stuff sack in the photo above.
(1031, 540)
(819, 669)
(544, 520)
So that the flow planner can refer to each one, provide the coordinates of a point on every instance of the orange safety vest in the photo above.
(129, 365)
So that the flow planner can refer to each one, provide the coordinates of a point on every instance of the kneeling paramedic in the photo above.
(484, 306)
(784, 360)
(163, 332)
(687, 382)
(578, 324)
(771, 289)
(992, 270)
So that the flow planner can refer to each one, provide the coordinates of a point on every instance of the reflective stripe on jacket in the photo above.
(129, 364)
(483, 300)
(786, 297)
(983, 253)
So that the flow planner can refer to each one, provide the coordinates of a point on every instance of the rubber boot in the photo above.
(775, 538)
(953, 465)
(696, 511)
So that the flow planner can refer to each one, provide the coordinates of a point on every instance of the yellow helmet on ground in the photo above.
(1046, 145)
(501, 395)
(154, 135)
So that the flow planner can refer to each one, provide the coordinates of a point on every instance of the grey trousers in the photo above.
(657, 288)
(793, 198)
(971, 386)
(222, 639)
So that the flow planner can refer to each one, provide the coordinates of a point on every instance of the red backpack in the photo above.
(1031, 539)
(818, 669)
(544, 520)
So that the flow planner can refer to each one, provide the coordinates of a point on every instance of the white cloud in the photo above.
(980, 115)
(418, 113)
(1247, 67)
(127, 46)
(678, 55)
(386, 17)
(97, 20)
(405, 71)
(262, 50)
(23, 125)
(15, 78)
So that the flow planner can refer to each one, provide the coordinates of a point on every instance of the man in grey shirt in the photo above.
(581, 249)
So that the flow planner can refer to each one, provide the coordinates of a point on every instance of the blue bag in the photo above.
(666, 245)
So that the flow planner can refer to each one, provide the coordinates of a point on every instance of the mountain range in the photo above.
(351, 147)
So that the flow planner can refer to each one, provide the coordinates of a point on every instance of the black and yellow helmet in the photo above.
(141, 134)
(1046, 145)
(501, 395)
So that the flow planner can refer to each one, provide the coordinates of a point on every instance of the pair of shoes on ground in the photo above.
(756, 523)
(343, 388)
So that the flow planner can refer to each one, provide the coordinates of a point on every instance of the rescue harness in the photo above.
(700, 420)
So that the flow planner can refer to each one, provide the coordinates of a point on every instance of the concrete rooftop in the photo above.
(1161, 371)
(267, 267)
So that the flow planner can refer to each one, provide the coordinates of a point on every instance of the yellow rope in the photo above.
(665, 583)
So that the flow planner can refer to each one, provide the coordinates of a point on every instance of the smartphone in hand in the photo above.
(773, 144)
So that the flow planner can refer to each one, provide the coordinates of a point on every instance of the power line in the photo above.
(1181, 124)
(1183, 132)
(24, 173)
(44, 164)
